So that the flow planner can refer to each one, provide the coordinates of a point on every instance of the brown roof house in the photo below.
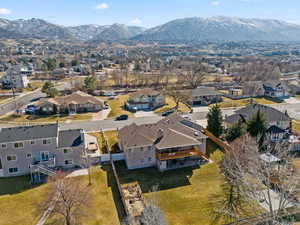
(78, 102)
(145, 99)
(173, 142)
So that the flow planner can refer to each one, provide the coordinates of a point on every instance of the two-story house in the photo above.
(275, 89)
(22, 148)
(145, 99)
(15, 78)
(173, 142)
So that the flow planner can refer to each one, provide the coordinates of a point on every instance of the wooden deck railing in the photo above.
(180, 154)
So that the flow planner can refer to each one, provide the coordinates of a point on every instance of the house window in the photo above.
(142, 149)
(29, 155)
(46, 141)
(149, 159)
(32, 142)
(142, 160)
(19, 145)
(67, 151)
(11, 158)
(68, 162)
(3, 146)
(13, 170)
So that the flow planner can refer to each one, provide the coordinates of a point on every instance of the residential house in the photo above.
(145, 99)
(203, 96)
(23, 148)
(173, 142)
(78, 102)
(15, 77)
(278, 123)
(275, 89)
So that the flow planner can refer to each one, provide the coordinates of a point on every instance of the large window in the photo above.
(67, 150)
(19, 145)
(68, 162)
(11, 158)
(47, 141)
(3, 146)
(13, 170)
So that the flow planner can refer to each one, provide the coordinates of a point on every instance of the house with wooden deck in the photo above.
(171, 143)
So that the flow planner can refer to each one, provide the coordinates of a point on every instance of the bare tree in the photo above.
(71, 197)
(270, 182)
(195, 75)
(177, 95)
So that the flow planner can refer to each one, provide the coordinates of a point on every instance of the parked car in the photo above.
(166, 113)
(122, 117)
(30, 109)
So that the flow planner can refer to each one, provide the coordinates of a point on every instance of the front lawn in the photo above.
(48, 118)
(170, 104)
(227, 102)
(19, 201)
(296, 127)
(117, 106)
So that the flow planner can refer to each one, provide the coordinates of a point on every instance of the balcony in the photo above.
(180, 154)
(46, 160)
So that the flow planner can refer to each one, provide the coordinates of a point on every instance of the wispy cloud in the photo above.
(102, 6)
(136, 21)
(4, 11)
(216, 3)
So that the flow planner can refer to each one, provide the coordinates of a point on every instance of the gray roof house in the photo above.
(25, 149)
(278, 123)
(203, 96)
(173, 142)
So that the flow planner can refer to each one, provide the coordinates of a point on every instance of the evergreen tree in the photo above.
(256, 126)
(235, 131)
(49, 89)
(215, 120)
(90, 83)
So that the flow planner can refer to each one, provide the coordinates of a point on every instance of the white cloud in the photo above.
(216, 3)
(136, 21)
(4, 11)
(102, 6)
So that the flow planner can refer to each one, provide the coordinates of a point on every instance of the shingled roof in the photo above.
(271, 115)
(167, 133)
(24, 133)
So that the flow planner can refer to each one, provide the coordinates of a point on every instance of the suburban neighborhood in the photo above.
(167, 118)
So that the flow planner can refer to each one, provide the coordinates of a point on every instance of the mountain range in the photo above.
(180, 30)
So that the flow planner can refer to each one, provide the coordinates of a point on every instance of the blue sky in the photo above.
(145, 13)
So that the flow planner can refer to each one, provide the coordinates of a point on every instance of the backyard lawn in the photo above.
(19, 201)
(170, 104)
(116, 106)
(111, 138)
(184, 195)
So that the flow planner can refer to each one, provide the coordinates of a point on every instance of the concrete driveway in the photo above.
(144, 114)
(292, 100)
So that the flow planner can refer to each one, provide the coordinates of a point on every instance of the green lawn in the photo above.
(117, 105)
(111, 137)
(170, 104)
(184, 194)
(19, 201)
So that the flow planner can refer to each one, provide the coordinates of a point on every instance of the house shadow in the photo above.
(15, 185)
(150, 179)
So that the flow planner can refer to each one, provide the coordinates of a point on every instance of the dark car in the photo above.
(30, 109)
(122, 117)
(166, 113)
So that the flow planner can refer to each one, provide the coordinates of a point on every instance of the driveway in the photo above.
(102, 115)
(292, 100)
(144, 114)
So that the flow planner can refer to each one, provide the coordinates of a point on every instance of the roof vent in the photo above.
(196, 133)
